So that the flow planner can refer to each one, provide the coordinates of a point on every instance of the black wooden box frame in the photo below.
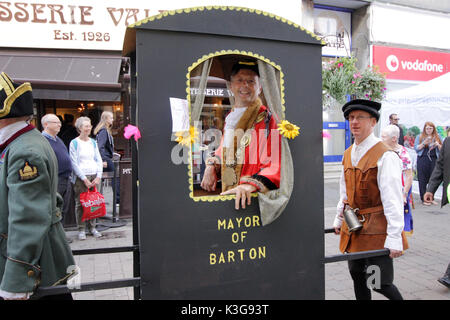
(177, 234)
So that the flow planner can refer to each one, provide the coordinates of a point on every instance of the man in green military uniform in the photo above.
(33, 246)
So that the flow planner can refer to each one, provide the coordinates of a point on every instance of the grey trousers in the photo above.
(79, 188)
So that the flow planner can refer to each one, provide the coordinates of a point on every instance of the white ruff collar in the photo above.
(8, 131)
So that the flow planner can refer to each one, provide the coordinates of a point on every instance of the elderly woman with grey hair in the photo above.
(87, 171)
(389, 135)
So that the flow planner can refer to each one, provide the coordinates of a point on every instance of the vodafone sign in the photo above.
(408, 64)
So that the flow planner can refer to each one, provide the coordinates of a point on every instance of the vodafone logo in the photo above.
(410, 64)
(392, 63)
(422, 66)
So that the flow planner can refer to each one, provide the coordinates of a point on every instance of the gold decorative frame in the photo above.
(188, 91)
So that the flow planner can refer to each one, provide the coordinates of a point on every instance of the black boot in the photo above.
(445, 280)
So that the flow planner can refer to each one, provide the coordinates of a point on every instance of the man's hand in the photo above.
(243, 194)
(395, 253)
(337, 230)
(404, 199)
(209, 180)
(428, 197)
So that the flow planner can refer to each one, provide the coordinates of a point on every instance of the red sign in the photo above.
(408, 64)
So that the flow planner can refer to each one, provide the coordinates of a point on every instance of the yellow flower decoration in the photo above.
(186, 138)
(289, 130)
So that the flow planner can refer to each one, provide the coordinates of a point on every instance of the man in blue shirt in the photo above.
(52, 125)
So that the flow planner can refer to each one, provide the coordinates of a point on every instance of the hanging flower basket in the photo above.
(341, 78)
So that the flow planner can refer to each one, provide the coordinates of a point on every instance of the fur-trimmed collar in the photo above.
(248, 118)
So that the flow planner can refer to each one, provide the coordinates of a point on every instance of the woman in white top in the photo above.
(87, 172)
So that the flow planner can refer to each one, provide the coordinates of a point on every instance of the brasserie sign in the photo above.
(94, 25)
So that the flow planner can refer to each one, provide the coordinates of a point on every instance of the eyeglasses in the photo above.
(243, 81)
(359, 118)
(395, 119)
(57, 122)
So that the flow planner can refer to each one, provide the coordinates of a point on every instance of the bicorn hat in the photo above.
(369, 106)
(250, 65)
(16, 100)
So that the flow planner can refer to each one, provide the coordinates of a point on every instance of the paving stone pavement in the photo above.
(416, 272)
(103, 267)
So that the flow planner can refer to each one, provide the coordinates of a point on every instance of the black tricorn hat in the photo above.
(369, 106)
(250, 65)
(16, 100)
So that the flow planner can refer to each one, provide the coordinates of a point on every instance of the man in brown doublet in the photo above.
(371, 182)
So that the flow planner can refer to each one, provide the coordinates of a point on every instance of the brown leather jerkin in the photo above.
(363, 193)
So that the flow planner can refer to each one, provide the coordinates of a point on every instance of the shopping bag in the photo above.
(93, 204)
